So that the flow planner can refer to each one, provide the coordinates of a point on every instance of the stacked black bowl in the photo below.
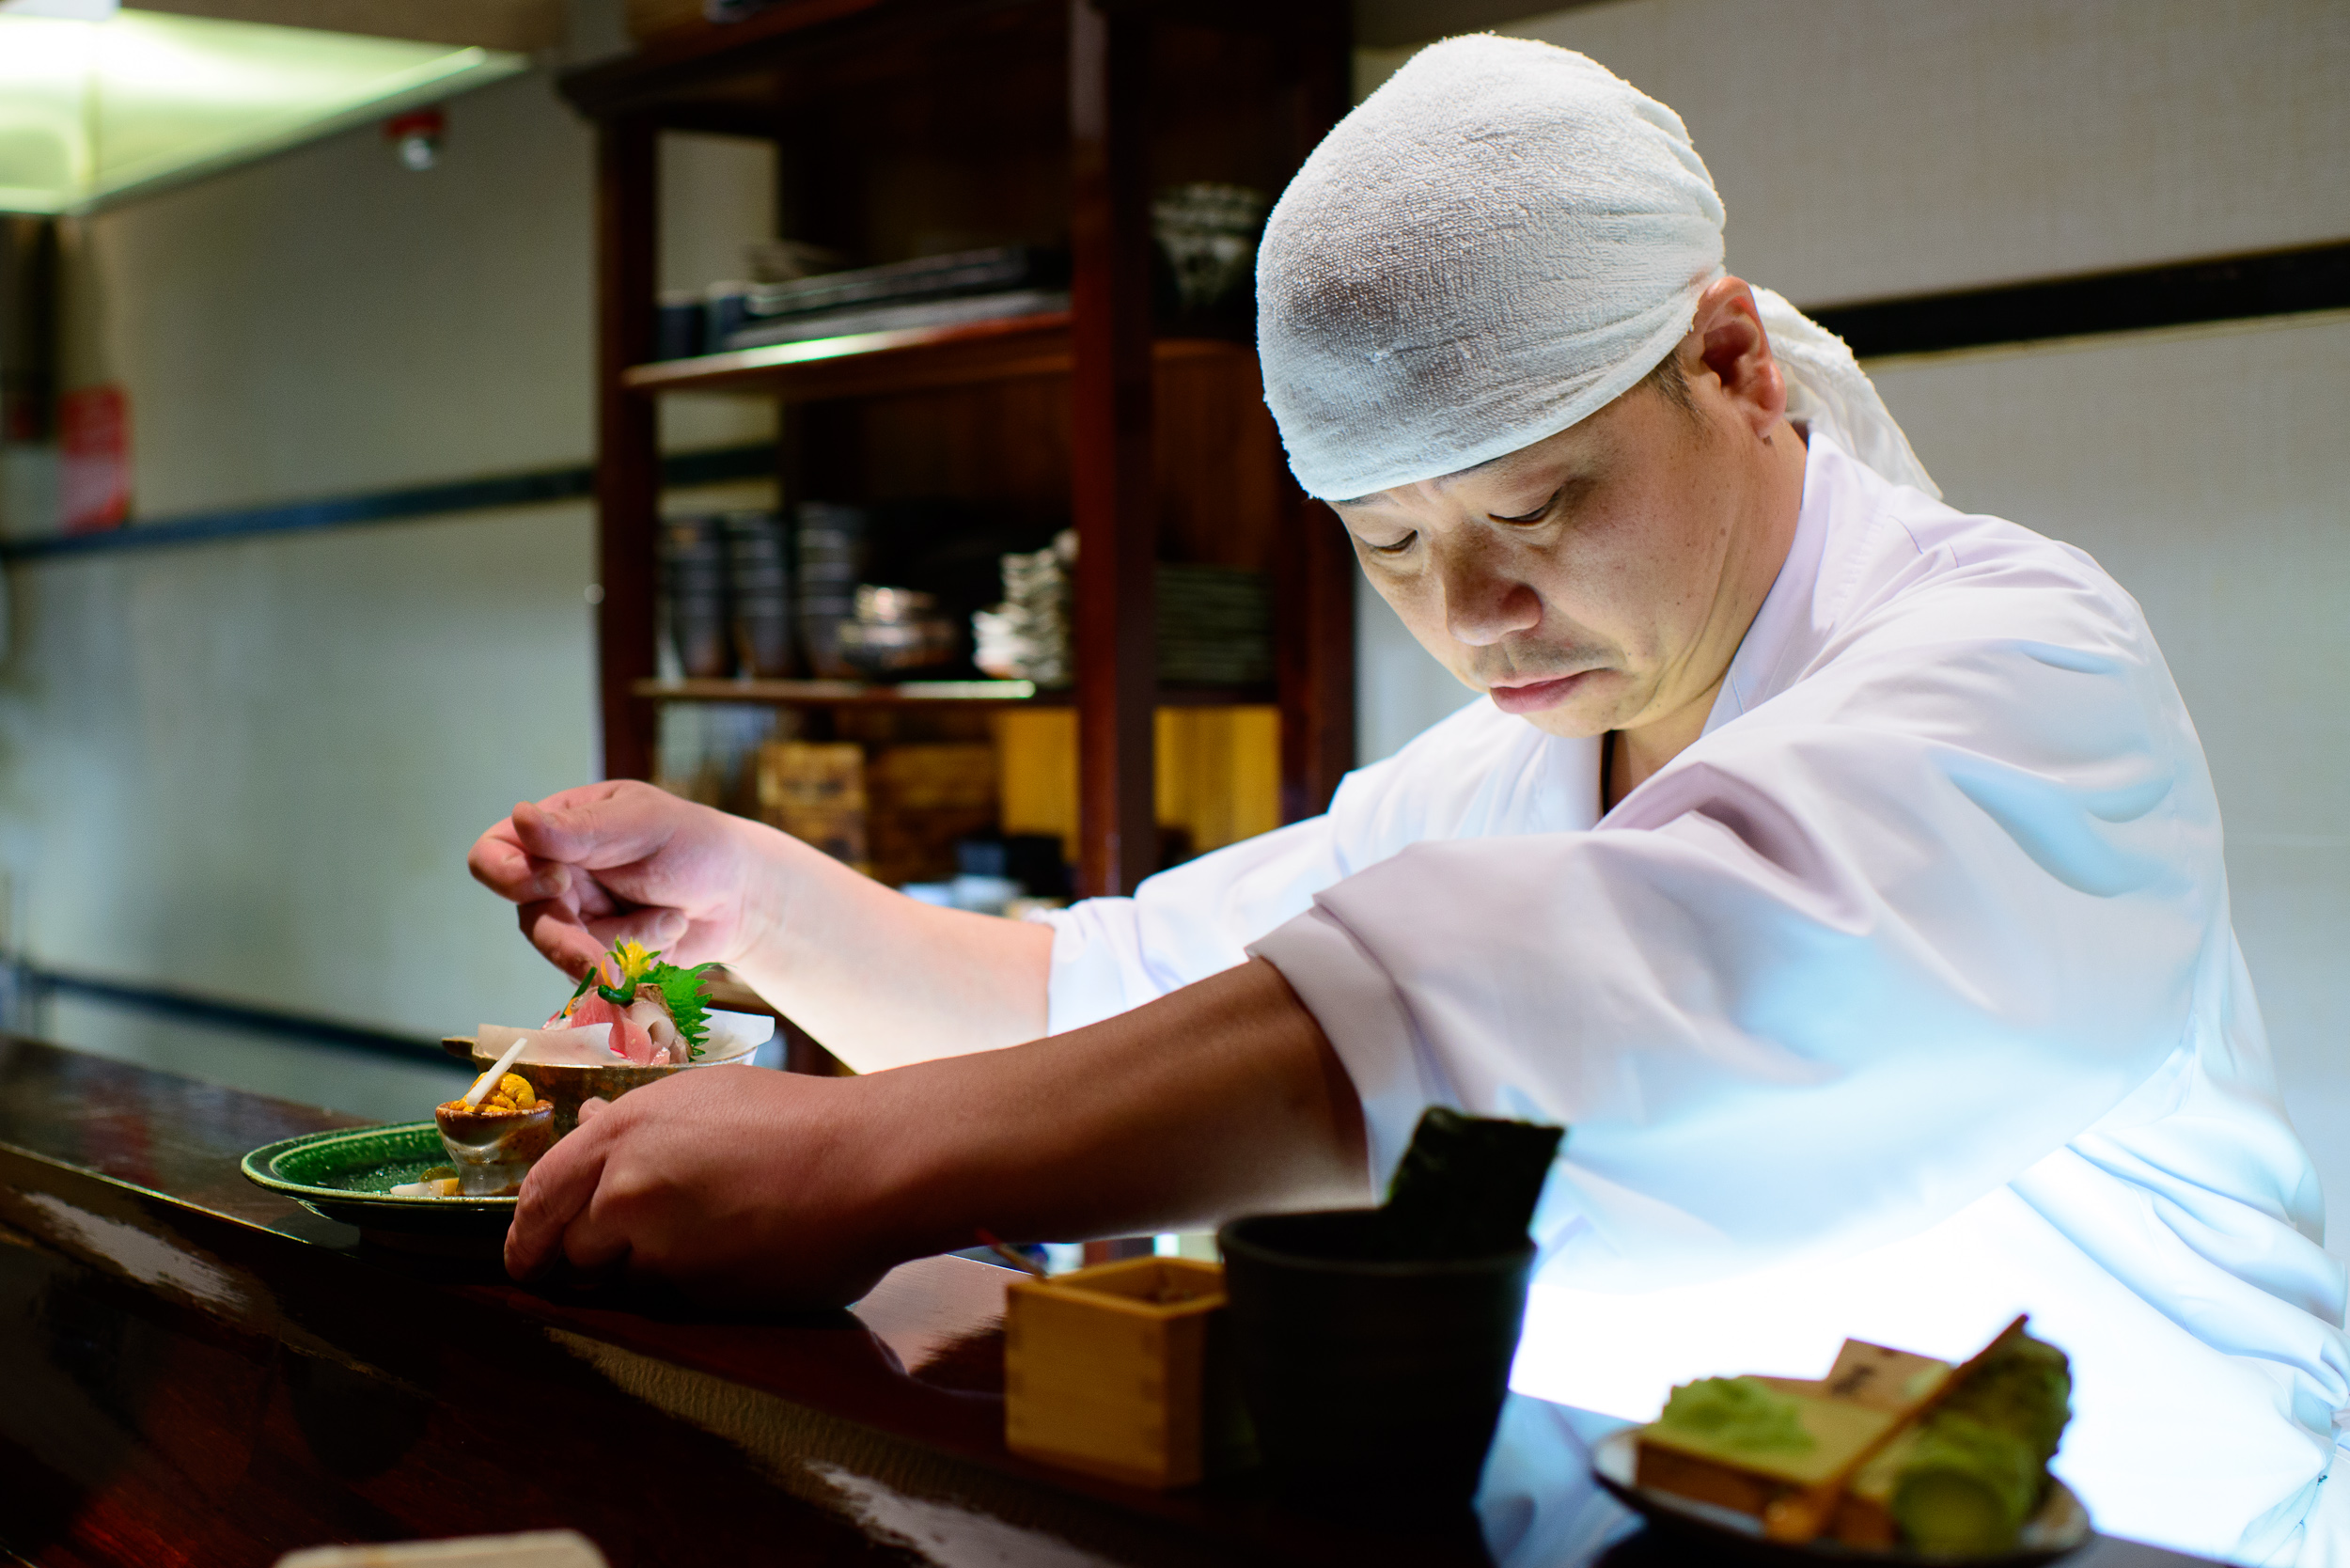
(759, 592)
(693, 593)
(832, 542)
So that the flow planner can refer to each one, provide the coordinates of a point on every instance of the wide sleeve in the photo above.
(1465, 773)
(1182, 925)
(1847, 964)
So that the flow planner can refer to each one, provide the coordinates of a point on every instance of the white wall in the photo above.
(252, 769)
(328, 321)
(1874, 147)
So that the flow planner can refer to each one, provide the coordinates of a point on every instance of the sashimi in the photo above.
(550, 1047)
(630, 1038)
(654, 1012)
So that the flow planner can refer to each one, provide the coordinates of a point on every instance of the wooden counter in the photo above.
(192, 1371)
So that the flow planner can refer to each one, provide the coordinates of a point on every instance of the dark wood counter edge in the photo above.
(861, 1417)
(865, 1427)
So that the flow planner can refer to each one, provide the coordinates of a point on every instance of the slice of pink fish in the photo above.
(630, 1038)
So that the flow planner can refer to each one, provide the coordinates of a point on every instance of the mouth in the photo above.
(1532, 697)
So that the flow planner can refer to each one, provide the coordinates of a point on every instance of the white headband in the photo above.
(1499, 241)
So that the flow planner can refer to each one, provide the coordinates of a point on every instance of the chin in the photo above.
(1569, 721)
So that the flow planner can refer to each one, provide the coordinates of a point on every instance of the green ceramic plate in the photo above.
(349, 1175)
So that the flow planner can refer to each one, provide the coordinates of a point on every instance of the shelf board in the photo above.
(833, 694)
(915, 359)
(839, 693)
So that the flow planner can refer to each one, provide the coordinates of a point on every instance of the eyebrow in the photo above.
(1472, 468)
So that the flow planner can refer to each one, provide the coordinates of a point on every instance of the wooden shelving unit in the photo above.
(999, 121)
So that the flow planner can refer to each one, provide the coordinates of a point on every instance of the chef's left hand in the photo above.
(741, 1185)
(733, 1185)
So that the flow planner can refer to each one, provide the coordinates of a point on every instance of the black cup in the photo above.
(1374, 1381)
(693, 584)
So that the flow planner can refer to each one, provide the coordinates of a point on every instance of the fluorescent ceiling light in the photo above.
(73, 10)
(95, 110)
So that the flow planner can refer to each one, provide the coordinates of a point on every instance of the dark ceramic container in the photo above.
(1374, 1381)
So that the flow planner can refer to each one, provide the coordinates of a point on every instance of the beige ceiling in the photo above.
(516, 24)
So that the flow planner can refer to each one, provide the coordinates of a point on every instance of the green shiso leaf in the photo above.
(681, 990)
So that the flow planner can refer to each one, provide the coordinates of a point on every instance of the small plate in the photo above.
(349, 1175)
(2062, 1525)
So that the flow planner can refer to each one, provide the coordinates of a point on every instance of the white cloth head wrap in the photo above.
(1501, 241)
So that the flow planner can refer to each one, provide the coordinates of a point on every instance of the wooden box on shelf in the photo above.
(815, 791)
(1116, 1371)
(920, 799)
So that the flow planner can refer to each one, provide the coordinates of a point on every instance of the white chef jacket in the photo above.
(1904, 998)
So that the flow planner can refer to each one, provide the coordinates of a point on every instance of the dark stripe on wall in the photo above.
(188, 1008)
(678, 470)
(2222, 289)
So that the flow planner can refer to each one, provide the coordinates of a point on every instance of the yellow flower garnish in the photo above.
(632, 962)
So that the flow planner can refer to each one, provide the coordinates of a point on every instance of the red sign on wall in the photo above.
(94, 446)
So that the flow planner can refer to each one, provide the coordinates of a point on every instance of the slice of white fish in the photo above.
(586, 1047)
(732, 1037)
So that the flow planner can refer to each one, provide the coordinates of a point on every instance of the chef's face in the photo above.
(1599, 579)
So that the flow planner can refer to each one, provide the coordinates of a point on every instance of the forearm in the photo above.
(880, 978)
(1218, 1099)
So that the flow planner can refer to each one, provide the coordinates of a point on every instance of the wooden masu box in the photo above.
(1121, 1371)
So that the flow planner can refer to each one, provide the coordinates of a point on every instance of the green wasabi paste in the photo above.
(1738, 1414)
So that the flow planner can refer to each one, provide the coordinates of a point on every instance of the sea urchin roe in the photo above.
(513, 1093)
(1739, 1414)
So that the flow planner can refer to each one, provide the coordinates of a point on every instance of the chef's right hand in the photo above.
(621, 861)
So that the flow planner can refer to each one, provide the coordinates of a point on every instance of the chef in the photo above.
(1842, 868)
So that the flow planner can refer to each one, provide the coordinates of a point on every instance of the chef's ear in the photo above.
(1732, 346)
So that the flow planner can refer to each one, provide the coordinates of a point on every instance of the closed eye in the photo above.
(1395, 549)
(1537, 514)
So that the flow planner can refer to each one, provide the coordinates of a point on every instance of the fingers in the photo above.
(556, 1192)
(593, 1244)
(657, 929)
(554, 928)
(604, 824)
(500, 863)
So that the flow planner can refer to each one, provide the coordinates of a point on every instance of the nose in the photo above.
(1484, 602)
